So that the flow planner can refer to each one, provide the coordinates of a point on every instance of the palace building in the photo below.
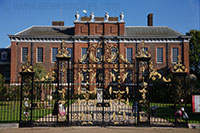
(98, 34)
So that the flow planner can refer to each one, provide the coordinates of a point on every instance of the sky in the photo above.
(17, 15)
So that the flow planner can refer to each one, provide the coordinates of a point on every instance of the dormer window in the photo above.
(4, 55)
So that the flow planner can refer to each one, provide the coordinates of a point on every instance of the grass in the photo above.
(10, 110)
(167, 111)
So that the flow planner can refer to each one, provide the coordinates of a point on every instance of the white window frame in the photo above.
(127, 54)
(157, 55)
(42, 55)
(52, 54)
(22, 54)
(173, 54)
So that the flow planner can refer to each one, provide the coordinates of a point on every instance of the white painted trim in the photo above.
(24, 30)
(172, 55)
(52, 54)
(127, 53)
(37, 55)
(21, 54)
(96, 40)
(9, 46)
(157, 55)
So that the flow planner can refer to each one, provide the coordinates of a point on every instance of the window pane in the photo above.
(84, 54)
(174, 55)
(71, 53)
(24, 53)
(54, 54)
(159, 55)
(4, 55)
(99, 54)
(129, 54)
(39, 54)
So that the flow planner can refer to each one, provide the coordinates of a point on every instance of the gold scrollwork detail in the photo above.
(179, 68)
(142, 53)
(27, 67)
(83, 58)
(63, 52)
(154, 74)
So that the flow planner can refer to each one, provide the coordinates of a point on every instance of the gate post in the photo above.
(180, 72)
(26, 99)
(142, 98)
(63, 58)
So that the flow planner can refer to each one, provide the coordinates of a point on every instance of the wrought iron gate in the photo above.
(101, 88)
(104, 92)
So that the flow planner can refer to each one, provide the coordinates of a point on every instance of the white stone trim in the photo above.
(24, 30)
(96, 40)
(41, 40)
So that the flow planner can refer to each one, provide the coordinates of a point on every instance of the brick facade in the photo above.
(113, 30)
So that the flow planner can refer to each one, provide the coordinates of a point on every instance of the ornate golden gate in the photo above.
(104, 92)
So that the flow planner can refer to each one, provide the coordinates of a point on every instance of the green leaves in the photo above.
(40, 72)
(195, 52)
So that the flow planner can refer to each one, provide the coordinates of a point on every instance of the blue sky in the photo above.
(16, 15)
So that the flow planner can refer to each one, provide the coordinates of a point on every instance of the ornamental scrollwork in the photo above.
(179, 68)
(153, 75)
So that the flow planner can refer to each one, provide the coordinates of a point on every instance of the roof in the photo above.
(132, 31)
(47, 30)
(151, 31)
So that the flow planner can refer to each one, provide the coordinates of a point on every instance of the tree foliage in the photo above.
(40, 72)
(2, 80)
(195, 52)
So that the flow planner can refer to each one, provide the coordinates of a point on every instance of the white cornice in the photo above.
(96, 40)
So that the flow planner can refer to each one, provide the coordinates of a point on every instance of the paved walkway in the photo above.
(99, 130)
(79, 113)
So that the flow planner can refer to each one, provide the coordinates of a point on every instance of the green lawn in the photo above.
(167, 111)
(9, 111)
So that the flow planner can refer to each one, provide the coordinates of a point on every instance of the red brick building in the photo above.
(41, 43)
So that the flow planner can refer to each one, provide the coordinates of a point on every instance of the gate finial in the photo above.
(179, 68)
(27, 67)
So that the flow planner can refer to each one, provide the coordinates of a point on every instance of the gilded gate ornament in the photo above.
(62, 57)
(119, 98)
(27, 67)
(63, 52)
(154, 74)
(27, 74)
(179, 68)
(142, 53)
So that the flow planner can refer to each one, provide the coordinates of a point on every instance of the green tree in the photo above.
(195, 53)
(2, 80)
(40, 72)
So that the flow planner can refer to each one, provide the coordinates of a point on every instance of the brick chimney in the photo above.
(150, 19)
(57, 23)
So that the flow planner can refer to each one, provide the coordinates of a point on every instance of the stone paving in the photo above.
(89, 112)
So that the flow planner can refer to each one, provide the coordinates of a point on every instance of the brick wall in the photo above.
(99, 28)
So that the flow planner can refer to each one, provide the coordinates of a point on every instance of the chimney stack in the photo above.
(150, 19)
(57, 23)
